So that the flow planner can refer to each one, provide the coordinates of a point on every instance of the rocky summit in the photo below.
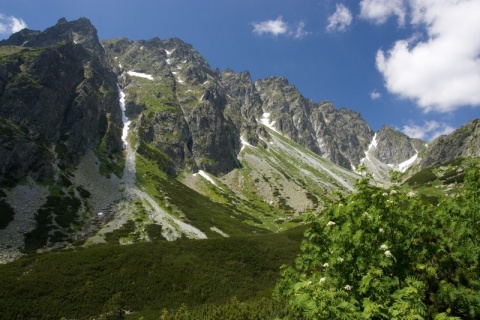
(125, 141)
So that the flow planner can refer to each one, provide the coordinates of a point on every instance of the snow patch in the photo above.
(140, 75)
(179, 80)
(169, 52)
(266, 121)
(125, 120)
(402, 167)
(373, 144)
(206, 177)
(215, 229)
(371, 147)
(354, 169)
(24, 43)
(168, 61)
(245, 144)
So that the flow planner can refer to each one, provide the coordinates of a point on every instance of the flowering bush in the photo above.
(387, 254)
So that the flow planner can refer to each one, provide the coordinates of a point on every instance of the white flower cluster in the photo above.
(348, 287)
(387, 252)
(331, 223)
(381, 230)
(340, 259)
(325, 265)
(322, 280)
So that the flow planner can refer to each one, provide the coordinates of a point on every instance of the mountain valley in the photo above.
(137, 181)
(146, 140)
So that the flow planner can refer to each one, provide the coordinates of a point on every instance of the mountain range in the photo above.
(125, 141)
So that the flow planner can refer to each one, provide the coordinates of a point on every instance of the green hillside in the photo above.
(84, 283)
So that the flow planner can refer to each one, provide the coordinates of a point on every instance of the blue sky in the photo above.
(410, 64)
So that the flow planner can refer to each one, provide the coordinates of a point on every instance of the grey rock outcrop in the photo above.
(183, 110)
(79, 31)
(57, 98)
(341, 135)
(463, 142)
(393, 147)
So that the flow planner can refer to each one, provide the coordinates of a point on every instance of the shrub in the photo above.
(382, 254)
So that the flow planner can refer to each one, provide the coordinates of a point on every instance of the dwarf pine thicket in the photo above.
(388, 254)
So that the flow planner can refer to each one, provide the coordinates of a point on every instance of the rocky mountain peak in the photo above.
(53, 101)
(393, 146)
(79, 31)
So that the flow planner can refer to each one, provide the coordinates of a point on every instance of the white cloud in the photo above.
(279, 27)
(379, 11)
(340, 19)
(428, 131)
(300, 31)
(374, 95)
(10, 24)
(441, 73)
(275, 27)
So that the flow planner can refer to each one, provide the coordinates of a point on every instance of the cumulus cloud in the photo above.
(10, 24)
(279, 27)
(374, 95)
(274, 27)
(428, 131)
(442, 72)
(379, 11)
(340, 19)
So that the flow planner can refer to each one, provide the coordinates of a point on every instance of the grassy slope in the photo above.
(277, 184)
(194, 208)
(437, 181)
(153, 276)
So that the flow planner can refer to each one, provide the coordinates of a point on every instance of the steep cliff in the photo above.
(338, 135)
(57, 98)
(58, 101)
(178, 102)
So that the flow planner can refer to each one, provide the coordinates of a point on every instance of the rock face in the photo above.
(393, 147)
(57, 98)
(180, 104)
(341, 136)
(197, 115)
(463, 142)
